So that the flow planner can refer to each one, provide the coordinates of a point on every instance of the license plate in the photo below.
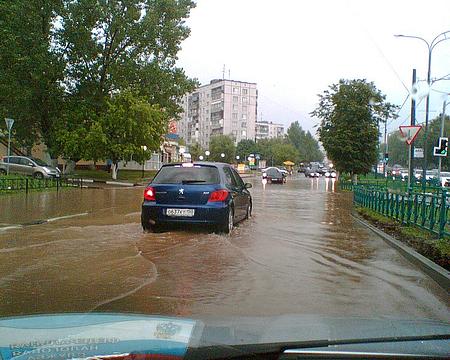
(180, 212)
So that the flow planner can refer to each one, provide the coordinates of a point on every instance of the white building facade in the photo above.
(222, 107)
(268, 130)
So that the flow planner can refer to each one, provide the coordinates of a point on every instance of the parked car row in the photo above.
(24, 165)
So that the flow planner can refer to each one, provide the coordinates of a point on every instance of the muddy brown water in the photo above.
(301, 252)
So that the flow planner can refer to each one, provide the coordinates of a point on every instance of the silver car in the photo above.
(23, 165)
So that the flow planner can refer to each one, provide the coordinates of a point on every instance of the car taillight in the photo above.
(218, 195)
(149, 194)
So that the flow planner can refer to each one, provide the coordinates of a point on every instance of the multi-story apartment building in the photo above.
(225, 107)
(268, 130)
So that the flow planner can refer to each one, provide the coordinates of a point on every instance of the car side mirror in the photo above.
(31, 164)
(248, 185)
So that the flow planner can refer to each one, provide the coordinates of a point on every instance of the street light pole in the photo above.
(443, 36)
(442, 135)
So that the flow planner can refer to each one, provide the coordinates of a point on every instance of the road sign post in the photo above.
(9, 125)
(410, 133)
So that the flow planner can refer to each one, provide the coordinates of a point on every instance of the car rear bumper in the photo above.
(207, 214)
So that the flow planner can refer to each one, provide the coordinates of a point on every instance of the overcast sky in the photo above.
(294, 49)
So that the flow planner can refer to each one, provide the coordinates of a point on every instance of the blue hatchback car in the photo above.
(196, 193)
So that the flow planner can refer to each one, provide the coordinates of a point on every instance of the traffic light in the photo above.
(386, 157)
(442, 149)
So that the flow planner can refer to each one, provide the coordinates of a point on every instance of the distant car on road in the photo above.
(330, 173)
(24, 165)
(274, 175)
(312, 173)
(202, 193)
(445, 178)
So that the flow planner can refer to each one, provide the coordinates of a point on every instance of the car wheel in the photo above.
(2, 172)
(38, 175)
(150, 228)
(249, 210)
(227, 226)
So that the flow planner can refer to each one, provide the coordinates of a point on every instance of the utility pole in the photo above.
(413, 122)
(385, 149)
(442, 135)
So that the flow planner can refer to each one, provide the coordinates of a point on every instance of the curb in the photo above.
(436, 272)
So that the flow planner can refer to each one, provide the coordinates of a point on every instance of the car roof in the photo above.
(208, 163)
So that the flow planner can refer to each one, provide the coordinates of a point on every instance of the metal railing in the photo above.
(10, 184)
(428, 210)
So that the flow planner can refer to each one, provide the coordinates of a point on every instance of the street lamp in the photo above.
(200, 157)
(438, 39)
(9, 125)
(237, 157)
(207, 153)
(222, 155)
(144, 149)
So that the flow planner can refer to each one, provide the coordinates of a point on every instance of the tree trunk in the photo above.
(114, 170)
(70, 167)
(354, 179)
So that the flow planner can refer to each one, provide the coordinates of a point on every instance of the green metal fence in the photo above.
(428, 210)
(10, 184)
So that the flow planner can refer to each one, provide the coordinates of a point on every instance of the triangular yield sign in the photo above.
(410, 132)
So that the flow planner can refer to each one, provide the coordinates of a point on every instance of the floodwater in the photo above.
(301, 252)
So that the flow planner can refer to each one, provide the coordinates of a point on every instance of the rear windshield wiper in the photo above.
(192, 181)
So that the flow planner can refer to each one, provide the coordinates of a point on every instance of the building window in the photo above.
(234, 124)
(245, 99)
(244, 91)
(235, 99)
(244, 108)
(235, 90)
(243, 125)
(234, 116)
(235, 107)
(234, 133)
(244, 116)
(244, 133)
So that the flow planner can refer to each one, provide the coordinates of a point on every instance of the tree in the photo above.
(304, 142)
(222, 144)
(350, 112)
(196, 150)
(30, 73)
(58, 55)
(129, 123)
(244, 148)
(115, 45)
(283, 152)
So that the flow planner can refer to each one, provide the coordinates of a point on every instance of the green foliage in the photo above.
(196, 150)
(282, 152)
(222, 144)
(129, 123)
(29, 72)
(350, 112)
(246, 147)
(63, 61)
(304, 142)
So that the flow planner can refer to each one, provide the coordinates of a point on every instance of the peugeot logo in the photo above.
(181, 191)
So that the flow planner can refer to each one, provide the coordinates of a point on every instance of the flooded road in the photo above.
(301, 252)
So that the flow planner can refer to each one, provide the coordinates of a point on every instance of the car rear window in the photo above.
(273, 172)
(178, 174)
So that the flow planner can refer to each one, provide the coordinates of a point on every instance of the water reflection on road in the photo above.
(301, 252)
